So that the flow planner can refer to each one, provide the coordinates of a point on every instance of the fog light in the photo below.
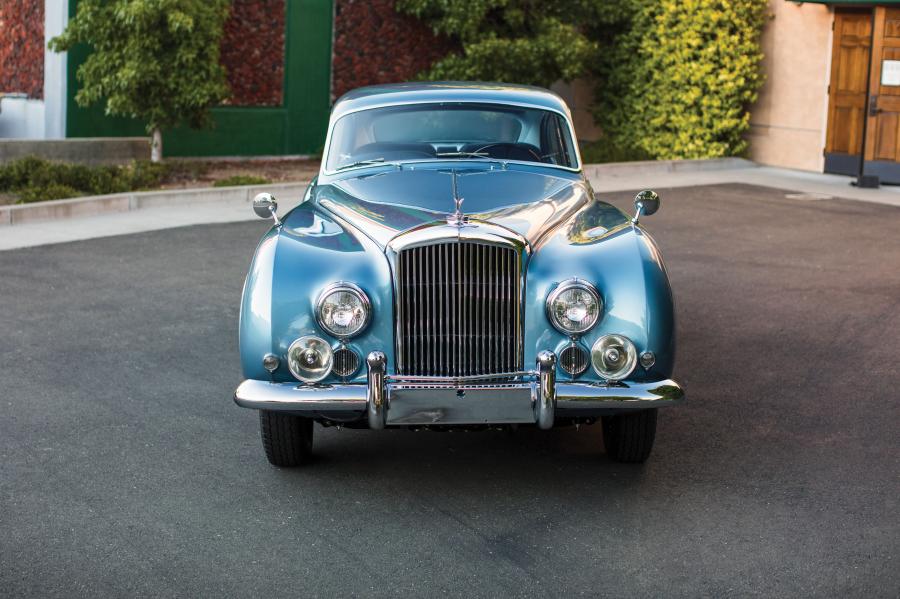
(574, 360)
(346, 362)
(309, 358)
(270, 362)
(614, 357)
(648, 359)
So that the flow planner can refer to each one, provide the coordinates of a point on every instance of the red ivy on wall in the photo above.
(374, 44)
(22, 47)
(253, 52)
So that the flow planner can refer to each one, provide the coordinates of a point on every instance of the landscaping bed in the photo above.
(34, 179)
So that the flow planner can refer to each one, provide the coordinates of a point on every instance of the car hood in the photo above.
(389, 202)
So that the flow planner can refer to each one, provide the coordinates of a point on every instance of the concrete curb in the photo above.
(18, 214)
(93, 205)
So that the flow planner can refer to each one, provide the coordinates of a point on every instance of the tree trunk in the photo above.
(156, 146)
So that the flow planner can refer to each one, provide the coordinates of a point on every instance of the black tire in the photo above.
(629, 437)
(287, 439)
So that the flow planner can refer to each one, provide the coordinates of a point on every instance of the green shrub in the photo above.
(241, 180)
(35, 179)
(678, 82)
(143, 174)
(17, 173)
(52, 191)
(675, 78)
(514, 41)
(605, 150)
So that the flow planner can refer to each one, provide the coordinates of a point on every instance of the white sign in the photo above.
(890, 72)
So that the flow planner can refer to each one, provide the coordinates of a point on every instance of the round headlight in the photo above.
(343, 310)
(574, 306)
(309, 358)
(613, 357)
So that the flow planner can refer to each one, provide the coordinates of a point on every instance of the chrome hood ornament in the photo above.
(457, 218)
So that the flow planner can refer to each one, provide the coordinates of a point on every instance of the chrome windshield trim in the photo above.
(566, 116)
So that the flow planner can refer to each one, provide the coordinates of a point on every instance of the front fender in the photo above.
(292, 264)
(600, 245)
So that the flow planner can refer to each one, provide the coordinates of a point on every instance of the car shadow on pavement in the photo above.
(542, 463)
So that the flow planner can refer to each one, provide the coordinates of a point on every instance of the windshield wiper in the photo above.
(463, 155)
(368, 162)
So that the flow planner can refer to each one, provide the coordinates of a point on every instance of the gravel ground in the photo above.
(125, 468)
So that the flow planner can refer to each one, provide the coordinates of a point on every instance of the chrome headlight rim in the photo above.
(631, 360)
(566, 285)
(348, 287)
(325, 347)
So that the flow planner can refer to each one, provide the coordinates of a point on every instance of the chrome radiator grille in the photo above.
(458, 309)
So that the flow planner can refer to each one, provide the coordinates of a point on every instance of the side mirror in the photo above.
(265, 206)
(645, 203)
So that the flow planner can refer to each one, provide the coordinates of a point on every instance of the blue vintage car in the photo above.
(451, 267)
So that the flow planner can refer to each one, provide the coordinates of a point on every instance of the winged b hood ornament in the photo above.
(457, 218)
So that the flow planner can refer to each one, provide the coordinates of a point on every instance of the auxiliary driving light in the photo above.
(309, 358)
(614, 357)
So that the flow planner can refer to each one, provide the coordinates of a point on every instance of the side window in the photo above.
(567, 143)
(556, 141)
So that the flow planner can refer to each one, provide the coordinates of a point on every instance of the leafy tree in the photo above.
(155, 60)
(515, 41)
(679, 81)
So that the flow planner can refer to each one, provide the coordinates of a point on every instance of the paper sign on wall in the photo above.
(890, 72)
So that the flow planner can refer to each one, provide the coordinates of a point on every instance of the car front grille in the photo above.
(458, 309)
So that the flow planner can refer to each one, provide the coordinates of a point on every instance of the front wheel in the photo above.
(287, 439)
(629, 437)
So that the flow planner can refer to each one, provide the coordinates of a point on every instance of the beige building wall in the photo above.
(788, 122)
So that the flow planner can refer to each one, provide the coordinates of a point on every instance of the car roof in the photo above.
(447, 91)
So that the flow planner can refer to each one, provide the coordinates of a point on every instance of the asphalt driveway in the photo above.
(125, 468)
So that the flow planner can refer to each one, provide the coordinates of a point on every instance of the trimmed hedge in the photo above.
(236, 180)
(678, 82)
(34, 179)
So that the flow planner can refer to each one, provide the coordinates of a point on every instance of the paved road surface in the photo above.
(125, 468)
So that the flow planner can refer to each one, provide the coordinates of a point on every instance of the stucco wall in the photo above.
(788, 122)
(374, 44)
(22, 47)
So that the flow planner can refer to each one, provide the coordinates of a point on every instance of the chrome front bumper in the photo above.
(532, 397)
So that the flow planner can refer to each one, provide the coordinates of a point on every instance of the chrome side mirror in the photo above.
(645, 203)
(265, 206)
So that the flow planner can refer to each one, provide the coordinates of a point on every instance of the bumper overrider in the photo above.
(528, 397)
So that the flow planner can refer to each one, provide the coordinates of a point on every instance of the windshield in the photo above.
(451, 131)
